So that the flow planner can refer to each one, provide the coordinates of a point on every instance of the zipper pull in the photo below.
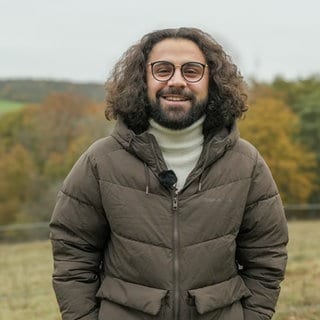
(175, 203)
(175, 200)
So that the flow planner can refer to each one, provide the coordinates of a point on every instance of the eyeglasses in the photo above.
(163, 71)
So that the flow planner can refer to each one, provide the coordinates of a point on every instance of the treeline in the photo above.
(35, 91)
(40, 143)
(284, 123)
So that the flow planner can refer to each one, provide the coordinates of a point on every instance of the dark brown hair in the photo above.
(126, 89)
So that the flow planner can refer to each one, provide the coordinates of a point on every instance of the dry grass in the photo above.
(300, 296)
(26, 293)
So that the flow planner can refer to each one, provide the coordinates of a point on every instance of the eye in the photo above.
(162, 69)
(192, 70)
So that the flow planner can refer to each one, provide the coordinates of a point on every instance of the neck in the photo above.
(180, 148)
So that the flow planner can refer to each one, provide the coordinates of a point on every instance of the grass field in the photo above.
(7, 106)
(25, 278)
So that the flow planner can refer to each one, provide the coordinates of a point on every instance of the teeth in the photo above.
(171, 98)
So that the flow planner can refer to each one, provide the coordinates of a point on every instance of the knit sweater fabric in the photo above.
(181, 149)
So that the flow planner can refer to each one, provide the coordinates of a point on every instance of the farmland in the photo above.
(26, 268)
(6, 106)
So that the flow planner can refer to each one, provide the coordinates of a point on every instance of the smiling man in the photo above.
(173, 216)
(177, 99)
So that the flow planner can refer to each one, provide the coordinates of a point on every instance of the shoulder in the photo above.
(249, 156)
(103, 148)
(246, 149)
(93, 161)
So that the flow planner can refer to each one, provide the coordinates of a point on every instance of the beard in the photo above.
(176, 117)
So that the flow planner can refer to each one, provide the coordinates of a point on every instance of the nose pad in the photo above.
(177, 79)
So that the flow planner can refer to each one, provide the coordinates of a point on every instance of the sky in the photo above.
(81, 40)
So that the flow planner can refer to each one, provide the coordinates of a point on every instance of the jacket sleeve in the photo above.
(261, 244)
(78, 232)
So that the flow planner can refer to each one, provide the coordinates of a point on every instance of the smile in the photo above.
(175, 98)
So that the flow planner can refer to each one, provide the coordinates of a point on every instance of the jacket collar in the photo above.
(145, 147)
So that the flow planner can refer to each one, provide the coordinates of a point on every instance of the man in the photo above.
(173, 216)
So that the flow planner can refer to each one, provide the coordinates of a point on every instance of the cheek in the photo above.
(152, 88)
(200, 92)
(203, 90)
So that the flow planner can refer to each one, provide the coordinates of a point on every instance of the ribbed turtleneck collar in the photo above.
(181, 149)
(169, 139)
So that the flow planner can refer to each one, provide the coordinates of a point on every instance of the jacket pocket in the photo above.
(219, 301)
(125, 300)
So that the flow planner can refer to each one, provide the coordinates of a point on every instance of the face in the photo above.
(177, 103)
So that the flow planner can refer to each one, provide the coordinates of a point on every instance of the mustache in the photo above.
(176, 91)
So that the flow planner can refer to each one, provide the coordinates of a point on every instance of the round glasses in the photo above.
(163, 71)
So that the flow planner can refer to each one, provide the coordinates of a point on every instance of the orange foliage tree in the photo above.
(42, 142)
(271, 126)
(17, 181)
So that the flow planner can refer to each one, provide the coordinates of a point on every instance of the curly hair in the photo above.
(126, 88)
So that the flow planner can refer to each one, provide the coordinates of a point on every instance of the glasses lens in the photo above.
(162, 70)
(192, 71)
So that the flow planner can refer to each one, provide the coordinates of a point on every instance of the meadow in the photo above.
(6, 106)
(26, 293)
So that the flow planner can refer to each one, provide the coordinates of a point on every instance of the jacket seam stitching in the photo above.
(255, 311)
(227, 183)
(147, 243)
(276, 245)
(134, 283)
(132, 188)
(157, 194)
(253, 204)
(80, 201)
(217, 238)
(77, 244)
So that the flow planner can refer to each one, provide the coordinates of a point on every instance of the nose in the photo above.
(177, 79)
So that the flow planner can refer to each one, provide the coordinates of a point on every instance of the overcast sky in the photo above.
(80, 40)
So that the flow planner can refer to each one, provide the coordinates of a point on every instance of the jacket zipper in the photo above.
(176, 262)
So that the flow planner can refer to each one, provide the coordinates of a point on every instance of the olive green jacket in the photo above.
(127, 247)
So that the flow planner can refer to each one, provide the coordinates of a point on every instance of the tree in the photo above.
(292, 91)
(308, 108)
(47, 139)
(271, 126)
(17, 181)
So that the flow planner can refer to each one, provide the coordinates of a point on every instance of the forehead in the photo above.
(176, 51)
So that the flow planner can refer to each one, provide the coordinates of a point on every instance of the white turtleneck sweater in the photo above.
(181, 149)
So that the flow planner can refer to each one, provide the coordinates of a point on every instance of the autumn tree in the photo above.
(303, 97)
(67, 126)
(271, 126)
(17, 182)
(50, 137)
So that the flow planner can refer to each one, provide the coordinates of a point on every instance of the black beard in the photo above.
(180, 120)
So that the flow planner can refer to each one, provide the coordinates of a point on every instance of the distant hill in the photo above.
(34, 91)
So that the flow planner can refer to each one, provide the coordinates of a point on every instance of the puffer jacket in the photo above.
(126, 247)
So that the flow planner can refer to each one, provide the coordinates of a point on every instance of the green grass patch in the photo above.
(8, 106)
(26, 291)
